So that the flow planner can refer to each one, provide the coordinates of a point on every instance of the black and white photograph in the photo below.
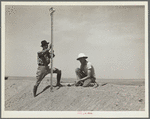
(74, 59)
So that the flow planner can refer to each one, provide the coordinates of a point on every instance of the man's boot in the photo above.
(58, 79)
(34, 91)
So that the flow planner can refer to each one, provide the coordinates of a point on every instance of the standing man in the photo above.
(85, 74)
(43, 58)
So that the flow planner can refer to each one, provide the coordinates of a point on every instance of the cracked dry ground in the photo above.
(109, 97)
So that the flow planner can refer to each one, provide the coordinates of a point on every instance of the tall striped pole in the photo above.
(51, 14)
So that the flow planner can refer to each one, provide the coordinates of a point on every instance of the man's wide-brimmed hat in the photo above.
(44, 42)
(81, 55)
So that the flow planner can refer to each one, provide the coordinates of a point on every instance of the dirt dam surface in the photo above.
(110, 95)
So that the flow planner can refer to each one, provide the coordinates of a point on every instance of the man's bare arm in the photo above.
(88, 76)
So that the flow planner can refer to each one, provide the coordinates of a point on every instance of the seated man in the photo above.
(85, 74)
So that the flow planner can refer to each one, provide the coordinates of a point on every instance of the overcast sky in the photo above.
(113, 38)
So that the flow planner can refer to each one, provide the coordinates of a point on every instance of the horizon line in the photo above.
(74, 78)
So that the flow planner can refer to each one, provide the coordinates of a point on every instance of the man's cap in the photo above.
(44, 42)
(81, 55)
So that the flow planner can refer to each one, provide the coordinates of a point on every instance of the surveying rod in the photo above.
(51, 14)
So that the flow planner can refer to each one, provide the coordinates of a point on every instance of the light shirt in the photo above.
(88, 66)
